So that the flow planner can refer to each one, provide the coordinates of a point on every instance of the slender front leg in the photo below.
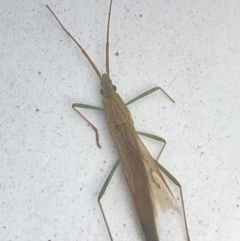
(77, 105)
(148, 92)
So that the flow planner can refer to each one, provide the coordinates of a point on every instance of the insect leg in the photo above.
(158, 138)
(103, 189)
(176, 182)
(148, 92)
(76, 105)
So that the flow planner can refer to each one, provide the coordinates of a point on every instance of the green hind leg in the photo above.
(103, 189)
(169, 175)
(176, 182)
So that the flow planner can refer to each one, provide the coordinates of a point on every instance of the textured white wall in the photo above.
(51, 169)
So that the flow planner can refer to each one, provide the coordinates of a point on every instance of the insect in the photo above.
(143, 174)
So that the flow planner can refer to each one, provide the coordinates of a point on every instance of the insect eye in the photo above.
(114, 88)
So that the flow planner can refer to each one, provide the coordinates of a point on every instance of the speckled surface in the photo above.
(51, 169)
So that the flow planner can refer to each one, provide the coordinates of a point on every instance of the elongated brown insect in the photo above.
(143, 174)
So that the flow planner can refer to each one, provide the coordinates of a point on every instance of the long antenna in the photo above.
(107, 43)
(78, 44)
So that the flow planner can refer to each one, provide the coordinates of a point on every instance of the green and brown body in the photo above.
(137, 164)
(127, 142)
